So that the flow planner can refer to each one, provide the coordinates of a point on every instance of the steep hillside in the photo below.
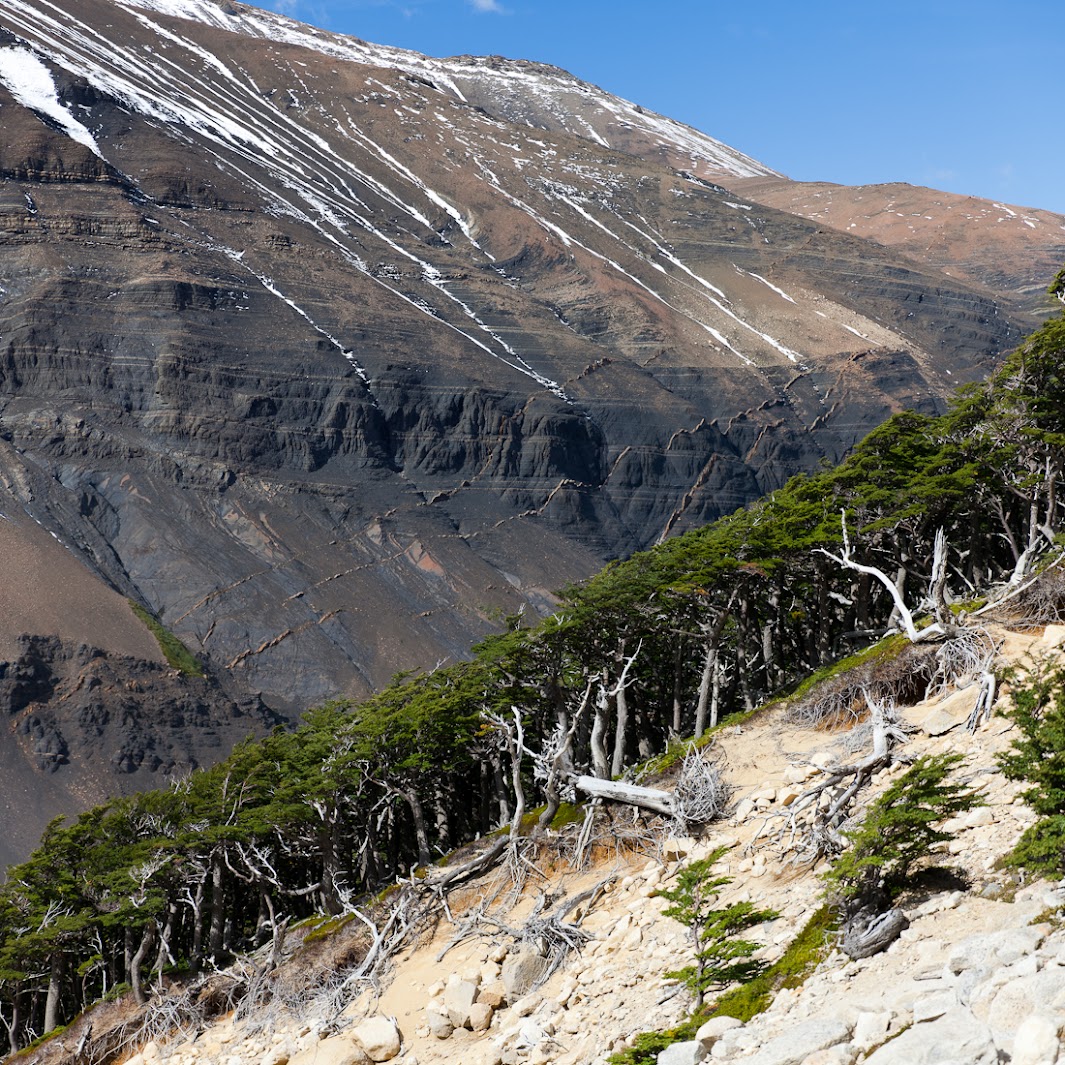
(974, 975)
(332, 354)
(1007, 249)
(940, 534)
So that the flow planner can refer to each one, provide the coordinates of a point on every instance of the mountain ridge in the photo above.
(332, 369)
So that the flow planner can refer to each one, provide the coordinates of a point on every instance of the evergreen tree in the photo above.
(1037, 756)
(720, 958)
(897, 834)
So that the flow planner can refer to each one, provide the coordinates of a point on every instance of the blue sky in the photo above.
(965, 97)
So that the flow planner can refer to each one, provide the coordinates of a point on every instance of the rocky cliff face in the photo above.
(332, 354)
(82, 724)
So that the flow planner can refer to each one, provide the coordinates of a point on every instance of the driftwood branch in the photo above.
(811, 824)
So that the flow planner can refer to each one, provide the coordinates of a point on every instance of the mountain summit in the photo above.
(331, 354)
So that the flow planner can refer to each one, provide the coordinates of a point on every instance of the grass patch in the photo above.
(648, 1045)
(177, 655)
(327, 927)
(805, 952)
(882, 651)
(39, 1042)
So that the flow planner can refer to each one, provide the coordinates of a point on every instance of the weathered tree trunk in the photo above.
(660, 802)
(705, 679)
(441, 816)
(198, 908)
(621, 731)
(867, 933)
(16, 1022)
(678, 687)
(421, 830)
(55, 986)
(369, 868)
(600, 762)
(164, 942)
(715, 691)
(502, 793)
(216, 935)
(136, 981)
(331, 848)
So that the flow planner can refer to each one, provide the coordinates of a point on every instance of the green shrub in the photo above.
(177, 655)
(747, 1000)
(897, 834)
(1037, 756)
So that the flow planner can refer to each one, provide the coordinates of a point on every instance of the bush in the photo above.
(1037, 756)
(897, 834)
(747, 1000)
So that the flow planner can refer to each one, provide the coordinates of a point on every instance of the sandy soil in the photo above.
(46, 591)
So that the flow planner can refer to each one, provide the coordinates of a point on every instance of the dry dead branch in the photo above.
(809, 829)
(966, 661)
(1039, 601)
(943, 625)
(404, 914)
(901, 679)
(547, 934)
(701, 794)
(961, 661)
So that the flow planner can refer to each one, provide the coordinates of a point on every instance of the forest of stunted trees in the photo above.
(660, 646)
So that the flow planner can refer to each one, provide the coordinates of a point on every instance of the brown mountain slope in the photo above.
(1010, 250)
(44, 589)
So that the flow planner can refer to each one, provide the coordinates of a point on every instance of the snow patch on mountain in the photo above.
(549, 85)
(32, 85)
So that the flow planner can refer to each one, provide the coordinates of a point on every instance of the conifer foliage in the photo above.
(897, 835)
(1037, 756)
(720, 957)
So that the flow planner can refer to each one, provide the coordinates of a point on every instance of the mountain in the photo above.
(331, 355)
(1006, 249)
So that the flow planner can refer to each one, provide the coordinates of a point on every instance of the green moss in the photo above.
(329, 926)
(569, 813)
(177, 655)
(803, 955)
(882, 651)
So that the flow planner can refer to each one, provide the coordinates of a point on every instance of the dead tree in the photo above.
(944, 624)
(811, 828)
(545, 933)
